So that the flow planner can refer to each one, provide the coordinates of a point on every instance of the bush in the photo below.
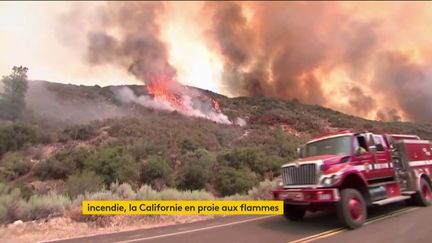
(113, 164)
(187, 145)
(87, 181)
(263, 191)
(53, 168)
(196, 170)
(9, 200)
(231, 181)
(13, 137)
(42, 206)
(15, 165)
(141, 149)
(62, 164)
(157, 172)
(253, 158)
(123, 191)
(78, 132)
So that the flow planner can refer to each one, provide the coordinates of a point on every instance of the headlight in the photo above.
(327, 181)
(280, 183)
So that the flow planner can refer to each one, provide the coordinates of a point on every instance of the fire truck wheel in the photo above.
(351, 208)
(294, 212)
(424, 196)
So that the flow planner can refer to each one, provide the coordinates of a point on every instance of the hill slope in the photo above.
(81, 139)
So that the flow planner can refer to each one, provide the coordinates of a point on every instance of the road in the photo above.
(392, 223)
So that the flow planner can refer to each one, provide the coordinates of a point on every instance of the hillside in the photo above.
(76, 139)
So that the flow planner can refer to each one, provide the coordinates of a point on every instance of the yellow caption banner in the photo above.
(183, 207)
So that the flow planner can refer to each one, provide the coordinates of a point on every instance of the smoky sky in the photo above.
(129, 37)
(410, 83)
(277, 49)
(282, 48)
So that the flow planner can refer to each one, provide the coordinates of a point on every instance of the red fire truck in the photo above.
(351, 171)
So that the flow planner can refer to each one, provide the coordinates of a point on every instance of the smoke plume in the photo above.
(367, 59)
(308, 50)
(129, 37)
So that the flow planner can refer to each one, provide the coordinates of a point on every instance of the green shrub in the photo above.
(230, 181)
(142, 148)
(113, 164)
(123, 191)
(15, 165)
(9, 201)
(42, 206)
(53, 168)
(62, 164)
(14, 137)
(187, 145)
(196, 170)
(157, 172)
(253, 158)
(86, 181)
(263, 191)
(78, 132)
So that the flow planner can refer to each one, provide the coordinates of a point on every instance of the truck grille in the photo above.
(304, 174)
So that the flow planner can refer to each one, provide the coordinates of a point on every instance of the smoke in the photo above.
(388, 114)
(360, 102)
(367, 59)
(196, 107)
(409, 82)
(127, 96)
(129, 37)
(51, 101)
(306, 50)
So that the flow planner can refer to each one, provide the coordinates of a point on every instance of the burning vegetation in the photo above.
(136, 46)
(374, 63)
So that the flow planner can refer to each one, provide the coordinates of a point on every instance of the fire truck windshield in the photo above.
(336, 145)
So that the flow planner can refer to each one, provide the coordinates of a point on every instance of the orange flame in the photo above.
(164, 89)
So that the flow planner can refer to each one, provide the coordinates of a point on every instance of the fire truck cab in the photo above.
(352, 171)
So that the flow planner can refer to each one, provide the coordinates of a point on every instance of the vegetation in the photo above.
(232, 181)
(14, 165)
(157, 172)
(113, 164)
(196, 170)
(151, 154)
(12, 100)
(85, 182)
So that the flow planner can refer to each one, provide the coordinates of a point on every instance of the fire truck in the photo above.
(350, 171)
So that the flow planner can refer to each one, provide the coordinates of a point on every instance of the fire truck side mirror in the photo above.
(372, 149)
(300, 152)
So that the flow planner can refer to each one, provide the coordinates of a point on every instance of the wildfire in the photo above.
(162, 90)
(180, 98)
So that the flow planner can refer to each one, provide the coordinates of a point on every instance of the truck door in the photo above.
(363, 159)
(383, 165)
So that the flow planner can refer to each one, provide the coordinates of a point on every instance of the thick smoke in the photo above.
(129, 37)
(360, 102)
(354, 57)
(127, 96)
(410, 83)
(290, 50)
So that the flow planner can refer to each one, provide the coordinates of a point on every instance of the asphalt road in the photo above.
(391, 223)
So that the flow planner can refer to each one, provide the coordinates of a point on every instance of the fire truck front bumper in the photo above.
(307, 196)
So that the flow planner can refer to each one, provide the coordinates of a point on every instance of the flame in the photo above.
(164, 89)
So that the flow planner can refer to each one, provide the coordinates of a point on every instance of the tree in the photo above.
(15, 87)
(196, 170)
(157, 172)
